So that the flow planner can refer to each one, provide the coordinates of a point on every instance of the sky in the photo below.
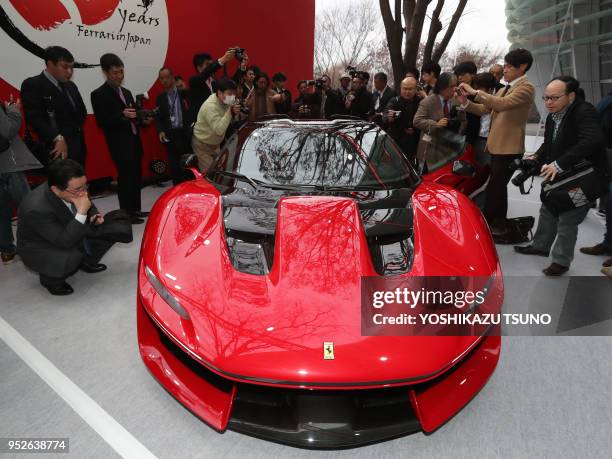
(484, 23)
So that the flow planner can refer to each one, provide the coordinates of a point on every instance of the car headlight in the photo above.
(489, 284)
(162, 291)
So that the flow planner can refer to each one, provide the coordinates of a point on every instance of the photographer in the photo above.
(282, 99)
(307, 105)
(381, 96)
(572, 134)
(173, 122)
(359, 99)
(115, 112)
(332, 102)
(213, 120)
(54, 109)
(436, 115)
(430, 73)
(201, 84)
(399, 116)
(261, 101)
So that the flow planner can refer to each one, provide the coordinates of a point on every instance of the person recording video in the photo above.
(358, 100)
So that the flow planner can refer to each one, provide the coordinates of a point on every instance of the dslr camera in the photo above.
(142, 113)
(528, 168)
(239, 53)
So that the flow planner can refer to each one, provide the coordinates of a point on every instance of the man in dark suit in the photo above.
(358, 100)
(56, 221)
(53, 107)
(114, 109)
(381, 96)
(332, 102)
(572, 134)
(399, 118)
(173, 123)
(201, 84)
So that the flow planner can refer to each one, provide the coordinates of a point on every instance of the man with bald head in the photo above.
(572, 135)
(399, 115)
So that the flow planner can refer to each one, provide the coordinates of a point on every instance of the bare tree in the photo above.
(345, 36)
(404, 26)
(483, 57)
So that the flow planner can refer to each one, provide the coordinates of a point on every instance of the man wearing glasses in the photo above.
(572, 135)
(54, 109)
(56, 226)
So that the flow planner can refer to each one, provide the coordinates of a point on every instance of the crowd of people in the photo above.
(489, 110)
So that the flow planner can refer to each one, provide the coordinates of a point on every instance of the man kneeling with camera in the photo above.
(60, 231)
(572, 162)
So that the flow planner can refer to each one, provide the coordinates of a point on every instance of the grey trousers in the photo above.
(563, 228)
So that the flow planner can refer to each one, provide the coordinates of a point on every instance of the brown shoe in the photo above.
(598, 249)
(555, 269)
(607, 263)
(7, 257)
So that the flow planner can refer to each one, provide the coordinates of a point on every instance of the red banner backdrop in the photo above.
(148, 34)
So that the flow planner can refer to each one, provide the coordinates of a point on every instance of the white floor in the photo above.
(549, 397)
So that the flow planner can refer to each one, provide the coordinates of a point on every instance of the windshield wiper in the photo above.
(254, 183)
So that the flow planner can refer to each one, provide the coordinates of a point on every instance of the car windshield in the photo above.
(349, 156)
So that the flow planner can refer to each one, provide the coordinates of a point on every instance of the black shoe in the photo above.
(139, 214)
(135, 220)
(62, 289)
(92, 268)
(555, 269)
(529, 250)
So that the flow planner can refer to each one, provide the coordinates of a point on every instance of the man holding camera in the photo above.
(115, 113)
(399, 117)
(54, 108)
(173, 123)
(381, 96)
(214, 119)
(358, 101)
(509, 110)
(332, 102)
(572, 135)
(201, 84)
(282, 101)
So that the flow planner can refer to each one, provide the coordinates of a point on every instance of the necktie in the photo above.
(122, 97)
(64, 90)
(446, 111)
(377, 104)
(506, 89)
(73, 209)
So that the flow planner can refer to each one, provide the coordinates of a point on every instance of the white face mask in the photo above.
(229, 100)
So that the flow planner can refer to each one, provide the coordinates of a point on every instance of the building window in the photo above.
(566, 62)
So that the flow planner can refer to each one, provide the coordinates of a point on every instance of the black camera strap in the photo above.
(522, 186)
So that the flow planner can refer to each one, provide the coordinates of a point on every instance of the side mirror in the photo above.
(463, 169)
(190, 162)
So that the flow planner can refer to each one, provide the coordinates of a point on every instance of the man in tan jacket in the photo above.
(509, 107)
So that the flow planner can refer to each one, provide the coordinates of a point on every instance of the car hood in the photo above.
(271, 328)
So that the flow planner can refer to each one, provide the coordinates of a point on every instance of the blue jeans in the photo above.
(13, 188)
(608, 237)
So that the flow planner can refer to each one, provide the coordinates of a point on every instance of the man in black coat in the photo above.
(201, 84)
(572, 134)
(358, 101)
(399, 118)
(56, 222)
(54, 109)
(115, 113)
(173, 123)
(380, 97)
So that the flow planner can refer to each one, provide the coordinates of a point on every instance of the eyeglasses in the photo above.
(552, 98)
(81, 189)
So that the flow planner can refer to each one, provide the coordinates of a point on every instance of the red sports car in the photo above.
(249, 288)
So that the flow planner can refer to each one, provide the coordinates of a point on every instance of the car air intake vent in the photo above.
(252, 257)
(389, 234)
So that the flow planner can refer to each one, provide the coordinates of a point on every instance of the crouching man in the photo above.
(58, 225)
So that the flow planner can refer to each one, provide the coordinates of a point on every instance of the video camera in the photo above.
(142, 113)
(528, 168)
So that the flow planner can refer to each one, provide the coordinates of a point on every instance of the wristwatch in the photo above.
(58, 138)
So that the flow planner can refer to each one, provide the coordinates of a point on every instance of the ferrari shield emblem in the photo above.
(328, 350)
